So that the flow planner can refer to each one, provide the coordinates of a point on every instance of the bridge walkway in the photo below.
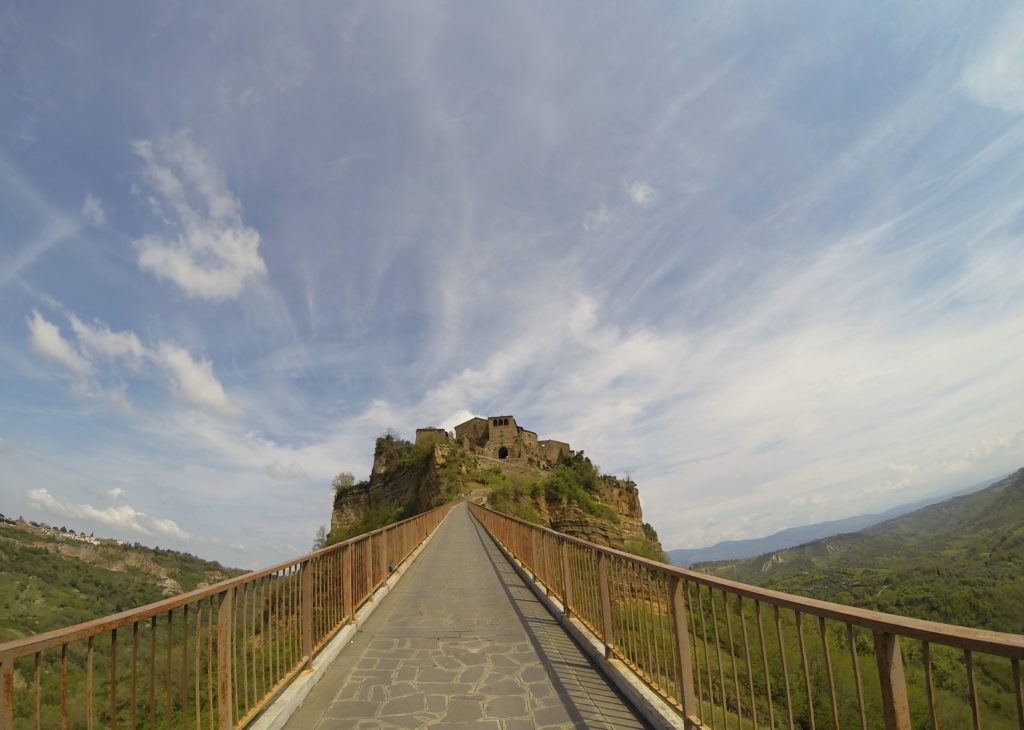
(462, 642)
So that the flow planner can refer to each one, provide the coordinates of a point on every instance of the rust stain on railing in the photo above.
(672, 626)
(227, 649)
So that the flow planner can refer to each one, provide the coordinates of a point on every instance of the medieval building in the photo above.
(500, 437)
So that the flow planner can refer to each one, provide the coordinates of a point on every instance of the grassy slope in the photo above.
(959, 561)
(48, 583)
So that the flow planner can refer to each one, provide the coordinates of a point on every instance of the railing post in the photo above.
(368, 566)
(689, 695)
(306, 578)
(225, 631)
(563, 549)
(7, 694)
(606, 602)
(347, 583)
(894, 683)
(534, 571)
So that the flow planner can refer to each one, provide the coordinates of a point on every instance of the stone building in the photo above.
(500, 437)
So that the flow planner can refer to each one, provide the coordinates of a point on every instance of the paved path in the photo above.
(462, 642)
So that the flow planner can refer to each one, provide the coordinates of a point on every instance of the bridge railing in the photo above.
(213, 657)
(731, 655)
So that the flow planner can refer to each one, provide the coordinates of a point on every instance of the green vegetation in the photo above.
(375, 517)
(48, 582)
(516, 497)
(399, 453)
(646, 549)
(576, 480)
(342, 483)
(956, 562)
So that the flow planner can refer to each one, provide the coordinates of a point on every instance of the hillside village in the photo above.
(59, 533)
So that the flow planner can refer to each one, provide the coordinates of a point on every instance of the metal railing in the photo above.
(731, 655)
(214, 657)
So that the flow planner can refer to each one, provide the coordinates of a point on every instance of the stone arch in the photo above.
(502, 452)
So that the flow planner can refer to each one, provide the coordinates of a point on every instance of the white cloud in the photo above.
(642, 194)
(47, 341)
(115, 493)
(190, 379)
(117, 398)
(277, 470)
(994, 77)
(100, 340)
(598, 219)
(123, 517)
(92, 210)
(213, 254)
(194, 380)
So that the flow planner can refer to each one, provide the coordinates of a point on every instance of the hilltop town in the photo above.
(497, 461)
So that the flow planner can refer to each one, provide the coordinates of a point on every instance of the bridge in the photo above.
(462, 617)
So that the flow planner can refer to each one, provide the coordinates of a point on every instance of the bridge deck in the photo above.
(462, 642)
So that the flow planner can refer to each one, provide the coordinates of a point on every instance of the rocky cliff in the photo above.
(622, 497)
(571, 497)
(405, 481)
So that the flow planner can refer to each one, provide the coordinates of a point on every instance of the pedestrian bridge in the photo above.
(462, 617)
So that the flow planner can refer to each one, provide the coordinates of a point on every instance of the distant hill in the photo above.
(960, 561)
(50, 579)
(792, 536)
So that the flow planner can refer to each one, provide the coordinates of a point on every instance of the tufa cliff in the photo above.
(497, 462)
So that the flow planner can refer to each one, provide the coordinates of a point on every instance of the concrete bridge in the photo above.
(462, 617)
(462, 641)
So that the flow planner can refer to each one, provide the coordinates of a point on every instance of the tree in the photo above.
(343, 482)
(320, 540)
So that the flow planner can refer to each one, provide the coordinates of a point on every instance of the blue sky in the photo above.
(766, 259)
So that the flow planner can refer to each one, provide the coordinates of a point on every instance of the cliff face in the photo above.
(404, 480)
(623, 499)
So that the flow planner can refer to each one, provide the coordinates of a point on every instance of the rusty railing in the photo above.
(214, 657)
(731, 655)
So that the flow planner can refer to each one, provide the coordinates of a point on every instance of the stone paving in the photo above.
(462, 642)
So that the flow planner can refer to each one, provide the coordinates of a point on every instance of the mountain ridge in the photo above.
(800, 534)
(957, 561)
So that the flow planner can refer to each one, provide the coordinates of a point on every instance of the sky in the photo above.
(766, 259)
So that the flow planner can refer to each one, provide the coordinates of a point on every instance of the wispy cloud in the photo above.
(97, 339)
(92, 210)
(192, 380)
(597, 219)
(47, 341)
(122, 517)
(993, 78)
(212, 253)
(642, 194)
(280, 471)
(56, 225)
